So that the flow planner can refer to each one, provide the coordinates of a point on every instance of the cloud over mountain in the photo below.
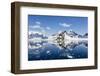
(64, 24)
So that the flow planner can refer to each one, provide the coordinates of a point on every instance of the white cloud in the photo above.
(48, 28)
(37, 22)
(64, 24)
(36, 26)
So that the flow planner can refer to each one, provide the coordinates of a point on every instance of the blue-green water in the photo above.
(45, 50)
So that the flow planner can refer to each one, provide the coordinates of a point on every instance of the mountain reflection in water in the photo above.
(51, 50)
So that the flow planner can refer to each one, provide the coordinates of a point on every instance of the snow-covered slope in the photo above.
(68, 35)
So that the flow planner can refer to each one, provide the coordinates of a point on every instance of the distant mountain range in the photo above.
(85, 35)
(69, 34)
(37, 35)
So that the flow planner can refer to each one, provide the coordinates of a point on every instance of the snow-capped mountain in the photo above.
(85, 35)
(71, 33)
(36, 35)
(74, 34)
(60, 35)
(68, 35)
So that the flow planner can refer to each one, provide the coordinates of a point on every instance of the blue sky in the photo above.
(53, 24)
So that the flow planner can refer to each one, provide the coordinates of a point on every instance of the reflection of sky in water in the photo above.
(44, 50)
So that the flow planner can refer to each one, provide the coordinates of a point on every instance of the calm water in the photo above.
(51, 50)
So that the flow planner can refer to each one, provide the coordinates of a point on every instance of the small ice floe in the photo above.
(36, 52)
(48, 52)
(34, 46)
(39, 45)
(69, 56)
(66, 55)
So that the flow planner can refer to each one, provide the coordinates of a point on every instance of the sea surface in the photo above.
(52, 50)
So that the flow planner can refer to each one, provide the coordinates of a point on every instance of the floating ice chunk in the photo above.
(48, 52)
(69, 56)
(36, 52)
